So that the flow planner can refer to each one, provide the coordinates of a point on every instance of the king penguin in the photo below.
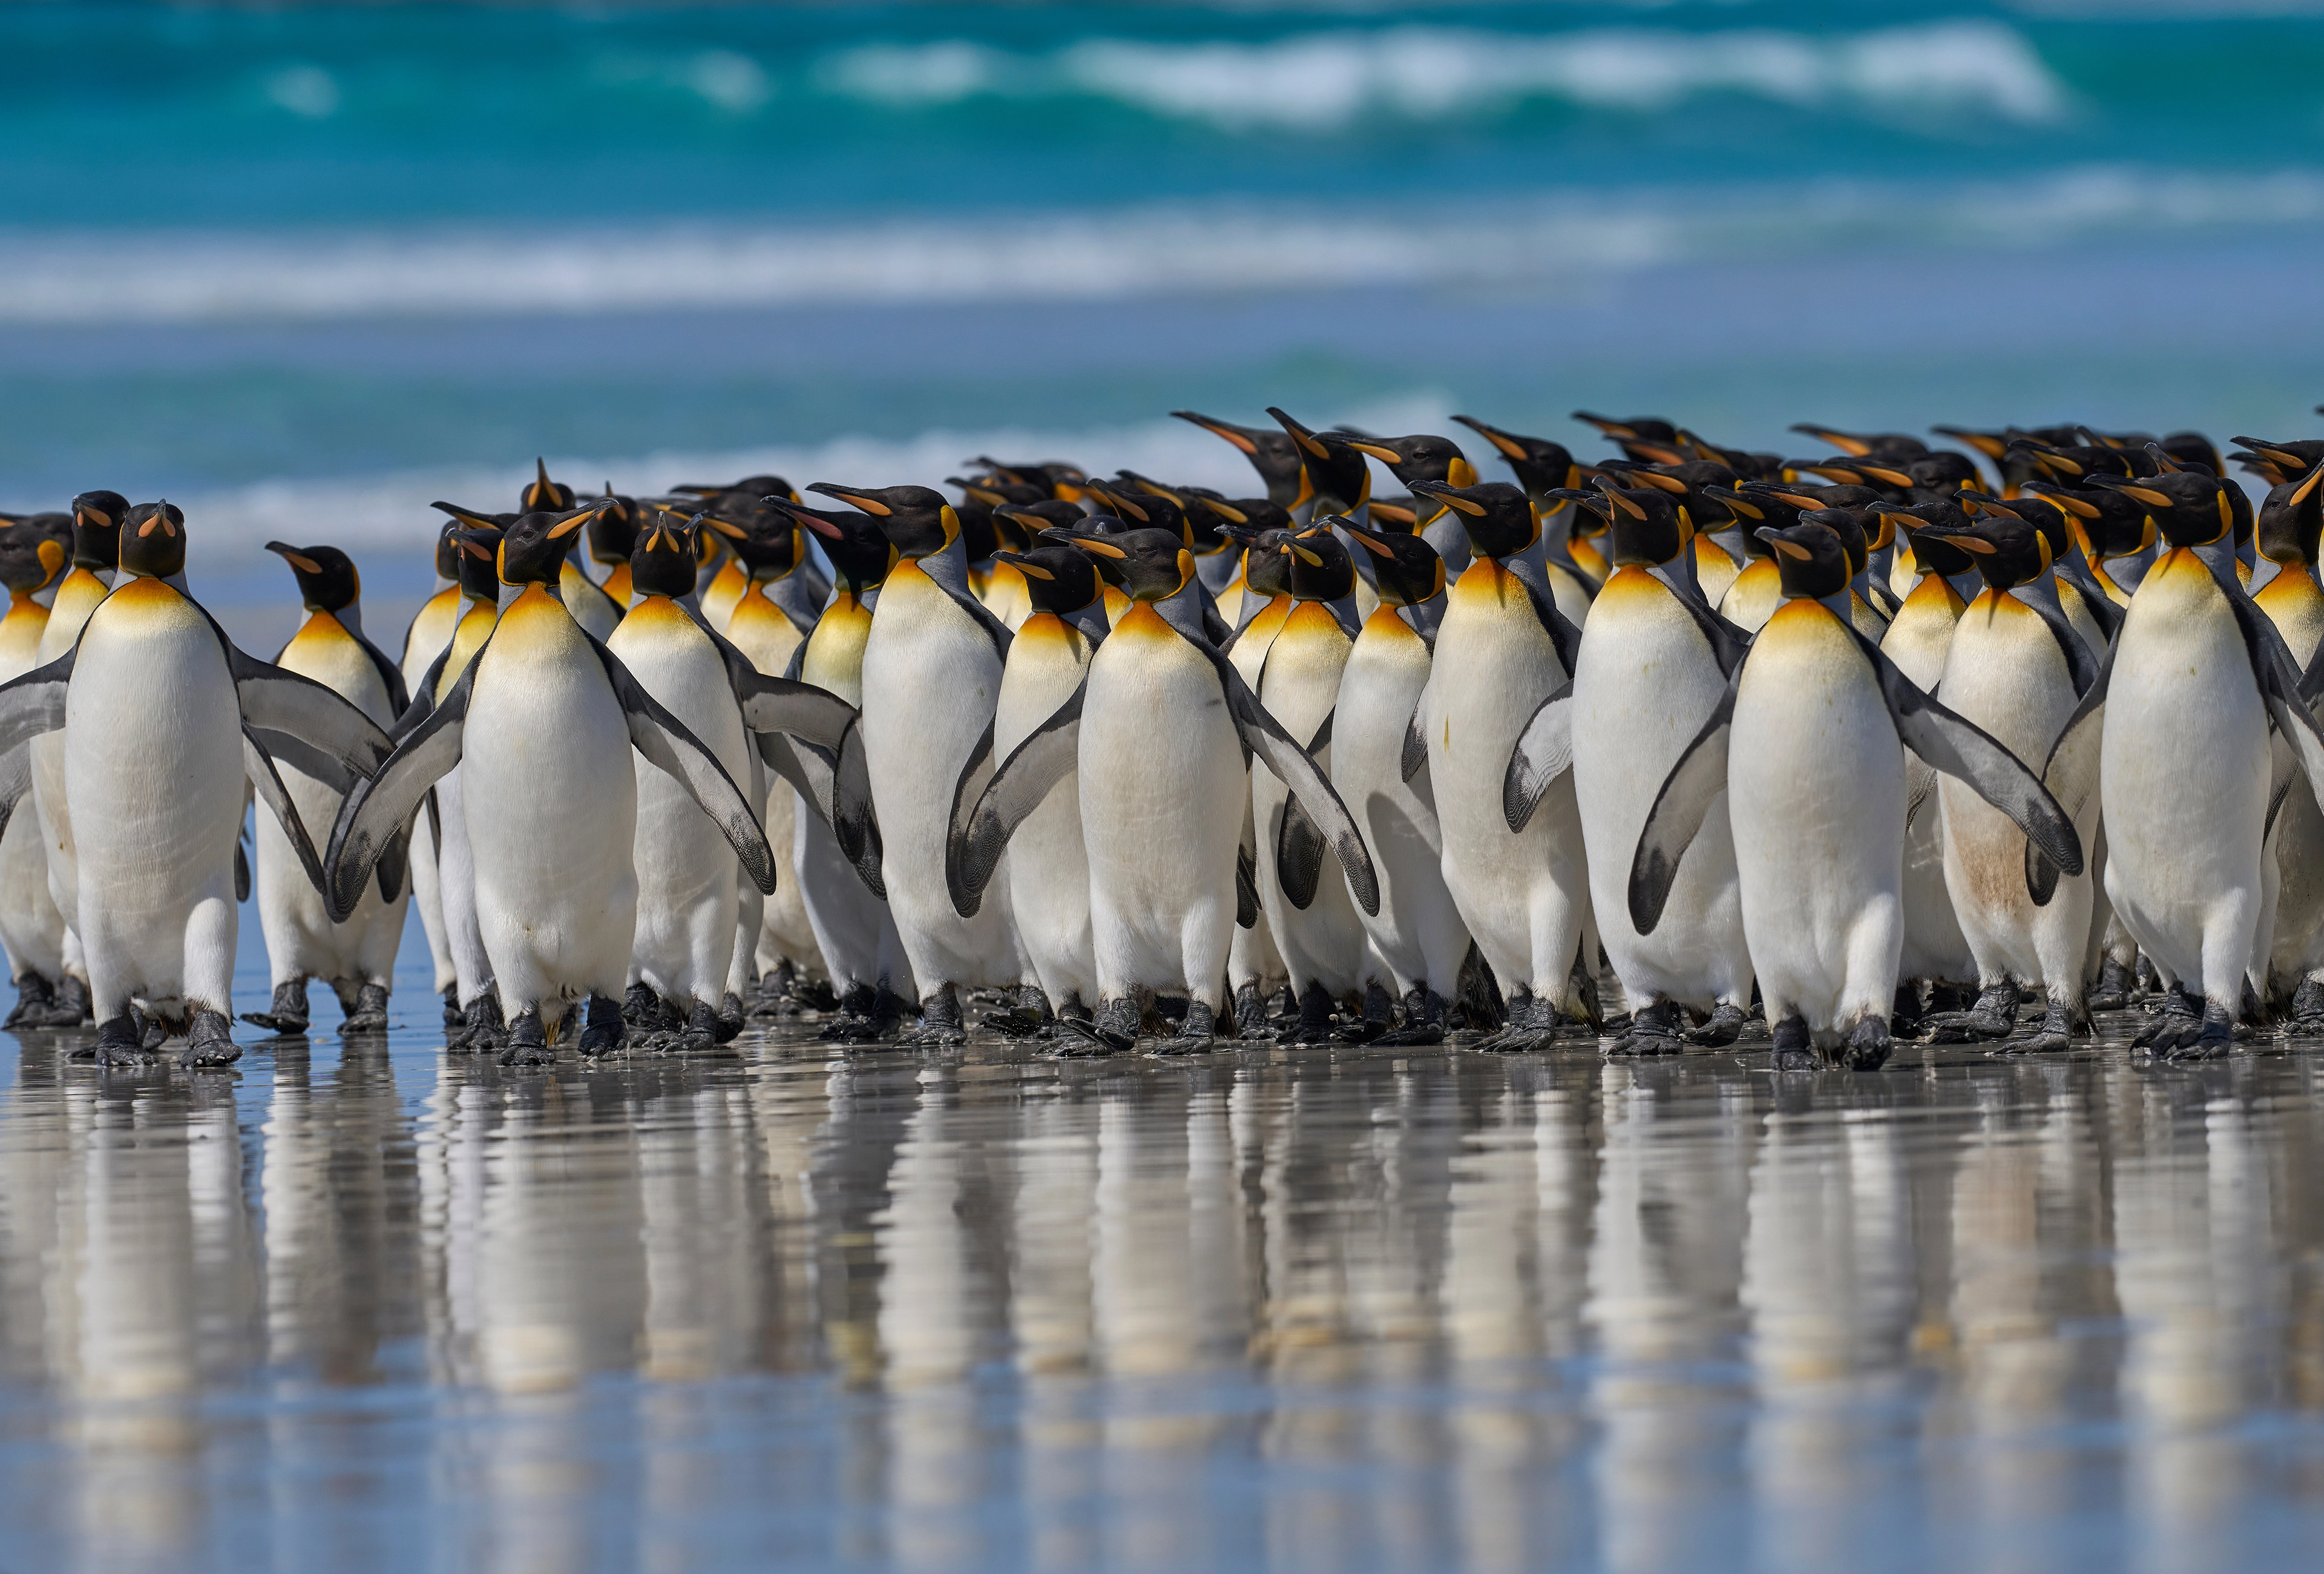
(541, 722)
(357, 958)
(1502, 649)
(163, 721)
(95, 555)
(1653, 663)
(476, 1005)
(1416, 935)
(932, 667)
(1270, 450)
(1157, 734)
(2288, 529)
(1805, 743)
(429, 633)
(32, 928)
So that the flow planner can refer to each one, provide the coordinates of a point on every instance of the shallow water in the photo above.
(1310, 1309)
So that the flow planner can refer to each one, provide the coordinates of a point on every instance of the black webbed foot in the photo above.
(483, 1029)
(1723, 1027)
(2115, 987)
(2181, 1020)
(1424, 1022)
(2210, 1037)
(287, 1013)
(1111, 1030)
(604, 1033)
(36, 1002)
(209, 1042)
(1655, 1029)
(1792, 1047)
(121, 1043)
(940, 1023)
(527, 1040)
(1995, 1016)
(370, 1014)
(1868, 1045)
(1314, 1023)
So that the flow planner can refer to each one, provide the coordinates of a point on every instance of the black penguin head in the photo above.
(858, 548)
(1687, 487)
(31, 557)
(1419, 458)
(1809, 556)
(1141, 509)
(662, 561)
(2007, 549)
(1540, 465)
(613, 530)
(1200, 511)
(1642, 437)
(1886, 482)
(96, 529)
(479, 566)
(1753, 504)
(2279, 462)
(997, 491)
(1930, 528)
(2190, 450)
(1269, 450)
(1145, 564)
(1857, 444)
(2290, 520)
(533, 548)
(916, 521)
(1496, 515)
(1405, 570)
(2111, 523)
(1059, 578)
(766, 539)
(1333, 476)
(1053, 478)
(153, 540)
(447, 551)
(327, 581)
(1267, 562)
(1049, 513)
(542, 494)
(1936, 476)
(1320, 567)
(1646, 526)
(2189, 508)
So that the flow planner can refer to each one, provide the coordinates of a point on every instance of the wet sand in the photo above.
(1324, 1309)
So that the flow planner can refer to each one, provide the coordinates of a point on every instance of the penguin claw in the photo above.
(1723, 1028)
(1793, 1060)
(281, 1026)
(124, 1059)
(1086, 1038)
(1644, 1045)
(1181, 1046)
(1420, 1036)
(1017, 1023)
(528, 1055)
(1517, 1040)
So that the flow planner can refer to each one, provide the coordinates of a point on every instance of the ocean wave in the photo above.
(1545, 242)
(1325, 80)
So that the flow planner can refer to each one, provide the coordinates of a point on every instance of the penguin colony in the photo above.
(1872, 745)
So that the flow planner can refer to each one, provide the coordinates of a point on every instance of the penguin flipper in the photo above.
(1673, 823)
(259, 766)
(809, 772)
(34, 703)
(801, 710)
(852, 822)
(1968, 753)
(1415, 743)
(417, 710)
(1298, 845)
(324, 765)
(274, 700)
(669, 744)
(1246, 889)
(2071, 773)
(2280, 685)
(1050, 753)
(1297, 770)
(16, 780)
(1544, 752)
(382, 806)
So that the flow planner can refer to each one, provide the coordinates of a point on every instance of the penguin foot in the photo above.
(1995, 1016)
(2116, 985)
(1724, 1026)
(2307, 1018)
(1793, 1047)
(1251, 1014)
(483, 1030)
(2060, 1028)
(121, 1043)
(286, 1016)
(370, 1014)
(729, 1018)
(2208, 1038)
(527, 1040)
(73, 1006)
(35, 1002)
(452, 1017)
(1424, 1022)
(1112, 1029)
(1532, 1028)
(1655, 1028)
(1868, 1045)
(642, 1008)
(1196, 1035)
(1379, 1017)
(2180, 1018)
(1904, 1013)
(1313, 1025)
(157, 1033)
(1026, 1018)
(940, 1023)
(209, 1042)
(603, 1033)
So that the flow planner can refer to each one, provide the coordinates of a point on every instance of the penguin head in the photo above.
(96, 529)
(1750, 508)
(1934, 548)
(1269, 450)
(766, 539)
(1809, 554)
(1496, 515)
(1938, 474)
(533, 548)
(2192, 450)
(447, 551)
(2190, 509)
(663, 560)
(2110, 525)
(327, 581)
(1685, 485)
(2079, 463)
(2008, 549)
(542, 494)
(2290, 520)
(1319, 567)
(153, 540)
(2278, 462)
(479, 566)
(1145, 564)
(1642, 437)
(995, 492)
(31, 556)
(613, 530)
(1419, 458)
(1266, 560)
(1540, 465)
(858, 548)
(1059, 578)
(1055, 479)
(916, 521)
(1033, 518)
(1887, 482)
(1646, 526)
(1333, 476)
(1201, 511)
(1141, 509)
(2017, 465)
(1857, 444)
(1405, 570)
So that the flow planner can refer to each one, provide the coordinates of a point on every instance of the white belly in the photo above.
(1325, 942)
(1047, 866)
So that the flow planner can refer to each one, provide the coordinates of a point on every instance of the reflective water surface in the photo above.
(1310, 1309)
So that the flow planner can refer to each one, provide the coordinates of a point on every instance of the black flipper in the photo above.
(381, 808)
(276, 701)
(268, 784)
(34, 702)
(1969, 753)
(1297, 769)
(669, 744)
(1673, 823)
(809, 771)
(852, 821)
(1049, 754)
(240, 870)
(16, 780)
(2070, 773)
(1416, 744)
(1544, 752)
(785, 705)
(1246, 889)
(2278, 682)
(1298, 845)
